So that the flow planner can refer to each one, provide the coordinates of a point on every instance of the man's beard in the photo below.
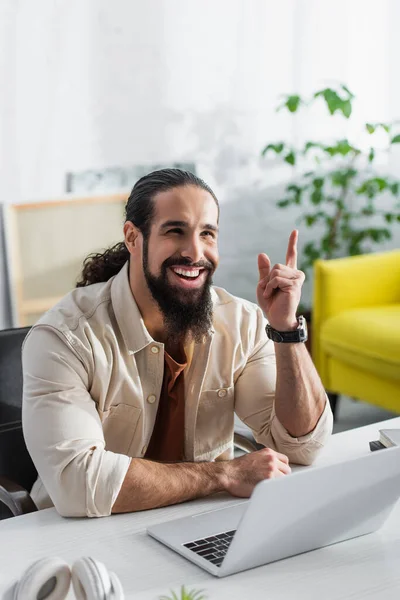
(185, 312)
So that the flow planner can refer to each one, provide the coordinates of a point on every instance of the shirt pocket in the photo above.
(215, 419)
(119, 427)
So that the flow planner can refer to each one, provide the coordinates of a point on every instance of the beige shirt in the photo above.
(92, 382)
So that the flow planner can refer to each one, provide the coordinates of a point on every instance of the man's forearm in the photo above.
(300, 397)
(151, 485)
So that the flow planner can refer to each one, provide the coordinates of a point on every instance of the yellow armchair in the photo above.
(356, 327)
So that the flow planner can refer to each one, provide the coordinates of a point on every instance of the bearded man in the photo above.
(132, 380)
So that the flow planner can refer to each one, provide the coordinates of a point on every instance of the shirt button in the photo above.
(155, 350)
(221, 393)
(151, 399)
(144, 449)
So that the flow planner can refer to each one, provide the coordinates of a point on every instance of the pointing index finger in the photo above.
(291, 254)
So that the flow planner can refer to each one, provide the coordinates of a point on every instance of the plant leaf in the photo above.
(310, 219)
(277, 148)
(381, 183)
(346, 108)
(290, 158)
(371, 155)
(185, 595)
(372, 187)
(368, 211)
(395, 139)
(341, 177)
(311, 251)
(318, 182)
(316, 196)
(293, 103)
(310, 145)
(346, 89)
(372, 127)
(335, 102)
(377, 234)
(341, 147)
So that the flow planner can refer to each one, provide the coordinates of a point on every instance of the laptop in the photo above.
(308, 509)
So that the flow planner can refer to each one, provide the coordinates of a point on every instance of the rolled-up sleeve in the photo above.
(254, 405)
(63, 430)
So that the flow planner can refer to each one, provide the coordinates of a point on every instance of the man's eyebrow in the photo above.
(185, 224)
(210, 227)
(173, 224)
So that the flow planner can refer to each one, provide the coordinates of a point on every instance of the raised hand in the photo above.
(279, 288)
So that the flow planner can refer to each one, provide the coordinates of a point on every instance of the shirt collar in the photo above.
(127, 313)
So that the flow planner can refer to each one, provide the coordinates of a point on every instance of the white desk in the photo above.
(363, 568)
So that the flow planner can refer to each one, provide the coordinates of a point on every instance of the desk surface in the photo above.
(363, 568)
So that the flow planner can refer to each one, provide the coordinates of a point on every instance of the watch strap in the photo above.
(296, 336)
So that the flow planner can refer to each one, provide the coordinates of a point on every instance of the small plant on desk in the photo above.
(186, 595)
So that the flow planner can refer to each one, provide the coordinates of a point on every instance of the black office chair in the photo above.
(243, 438)
(17, 471)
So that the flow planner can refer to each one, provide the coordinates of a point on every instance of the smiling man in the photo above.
(131, 381)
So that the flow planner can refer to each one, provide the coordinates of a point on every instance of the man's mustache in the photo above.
(185, 262)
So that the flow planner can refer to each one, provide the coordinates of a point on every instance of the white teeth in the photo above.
(194, 273)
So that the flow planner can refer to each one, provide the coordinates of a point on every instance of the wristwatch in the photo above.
(289, 337)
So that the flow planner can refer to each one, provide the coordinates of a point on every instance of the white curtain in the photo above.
(94, 83)
(99, 84)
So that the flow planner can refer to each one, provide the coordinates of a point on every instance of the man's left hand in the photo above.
(279, 288)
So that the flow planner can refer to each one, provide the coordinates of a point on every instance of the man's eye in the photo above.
(209, 233)
(175, 230)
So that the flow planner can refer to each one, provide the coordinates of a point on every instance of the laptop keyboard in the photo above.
(212, 548)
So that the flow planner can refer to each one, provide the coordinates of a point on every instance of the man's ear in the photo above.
(132, 235)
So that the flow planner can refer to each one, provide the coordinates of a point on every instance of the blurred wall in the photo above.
(96, 84)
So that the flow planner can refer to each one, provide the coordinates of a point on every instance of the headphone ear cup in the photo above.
(117, 591)
(90, 579)
(45, 579)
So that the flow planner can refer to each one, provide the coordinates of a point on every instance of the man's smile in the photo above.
(187, 277)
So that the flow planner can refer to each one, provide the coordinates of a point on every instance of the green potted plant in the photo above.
(337, 185)
(185, 595)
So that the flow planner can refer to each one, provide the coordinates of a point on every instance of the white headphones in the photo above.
(50, 578)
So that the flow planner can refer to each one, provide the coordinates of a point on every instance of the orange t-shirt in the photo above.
(167, 440)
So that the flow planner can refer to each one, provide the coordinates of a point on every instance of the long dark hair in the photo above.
(139, 210)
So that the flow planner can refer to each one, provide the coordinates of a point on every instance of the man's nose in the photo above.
(193, 250)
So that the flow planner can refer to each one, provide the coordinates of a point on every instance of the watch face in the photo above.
(303, 329)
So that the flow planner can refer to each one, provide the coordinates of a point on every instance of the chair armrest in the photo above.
(349, 283)
(244, 441)
(355, 282)
(15, 497)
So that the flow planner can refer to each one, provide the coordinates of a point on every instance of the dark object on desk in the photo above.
(17, 472)
(334, 402)
(243, 439)
(388, 438)
(376, 445)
